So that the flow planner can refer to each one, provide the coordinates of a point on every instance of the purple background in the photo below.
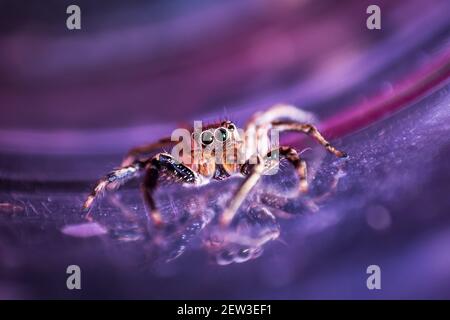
(73, 102)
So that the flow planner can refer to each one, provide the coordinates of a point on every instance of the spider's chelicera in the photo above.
(217, 152)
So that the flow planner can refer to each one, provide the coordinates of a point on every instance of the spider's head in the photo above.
(218, 136)
(245, 238)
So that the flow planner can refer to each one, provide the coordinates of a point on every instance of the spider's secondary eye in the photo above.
(207, 137)
(231, 127)
(221, 134)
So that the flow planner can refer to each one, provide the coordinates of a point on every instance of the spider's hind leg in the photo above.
(310, 130)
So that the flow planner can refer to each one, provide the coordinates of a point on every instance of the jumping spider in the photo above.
(234, 242)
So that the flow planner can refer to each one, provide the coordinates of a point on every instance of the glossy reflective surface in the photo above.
(390, 206)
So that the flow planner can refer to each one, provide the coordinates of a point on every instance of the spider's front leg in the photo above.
(112, 181)
(253, 172)
(167, 163)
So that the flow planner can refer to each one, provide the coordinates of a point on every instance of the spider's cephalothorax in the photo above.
(217, 152)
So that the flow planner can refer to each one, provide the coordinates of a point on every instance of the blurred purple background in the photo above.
(73, 102)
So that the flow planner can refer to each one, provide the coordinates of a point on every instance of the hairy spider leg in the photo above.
(310, 130)
(112, 181)
(257, 128)
(281, 201)
(293, 157)
(175, 169)
(137, 152)
(252, 174)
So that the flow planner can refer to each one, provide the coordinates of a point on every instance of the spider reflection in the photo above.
(192, 221)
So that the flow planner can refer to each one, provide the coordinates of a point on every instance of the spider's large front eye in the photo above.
(207, 137)
(221, 134)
